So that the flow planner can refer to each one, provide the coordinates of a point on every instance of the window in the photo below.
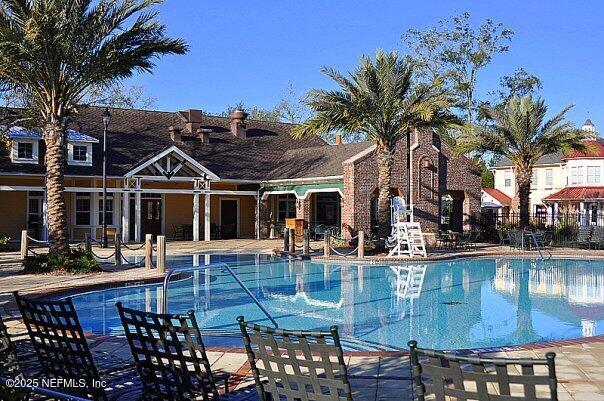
(508, 178)
(82, 209)
(286, 207)
(535, 179)
(593, 174)
(25, 150)
(108, 209)
(80, 153)
(549, 178)
(576, 175)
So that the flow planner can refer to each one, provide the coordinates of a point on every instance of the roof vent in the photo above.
(175, 134)
(204, 134)
(238, 126)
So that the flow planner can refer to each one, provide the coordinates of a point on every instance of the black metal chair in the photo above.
(170, 356)
(63, 353)
(444, 376)
(296, 365)
(179, 232)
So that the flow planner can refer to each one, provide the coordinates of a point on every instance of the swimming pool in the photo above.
(466, 303)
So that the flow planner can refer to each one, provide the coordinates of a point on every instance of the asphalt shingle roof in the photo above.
(552, 158)
(268, 151)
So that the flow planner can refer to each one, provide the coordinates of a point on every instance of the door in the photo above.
(151, 217)
(35, 215)
(229, 218)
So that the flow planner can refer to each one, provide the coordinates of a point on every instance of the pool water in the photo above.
(468, 303)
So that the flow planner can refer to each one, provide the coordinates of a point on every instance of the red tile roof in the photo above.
(595, 149)
(577, 194)
(500, 196)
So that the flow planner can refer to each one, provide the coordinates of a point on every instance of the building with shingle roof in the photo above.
(200, 176)
(569, 182)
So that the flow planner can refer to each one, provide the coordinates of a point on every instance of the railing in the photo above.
(231, 272)
(537, 245)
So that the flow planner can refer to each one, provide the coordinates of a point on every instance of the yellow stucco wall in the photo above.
(178, 208)
(13, 208)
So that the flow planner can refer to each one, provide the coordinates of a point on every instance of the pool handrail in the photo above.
(231, 272)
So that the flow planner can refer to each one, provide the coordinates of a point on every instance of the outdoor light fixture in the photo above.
(106, 121)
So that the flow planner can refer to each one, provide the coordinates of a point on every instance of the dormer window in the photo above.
(79, 148)
(25, 151)
(25, 145)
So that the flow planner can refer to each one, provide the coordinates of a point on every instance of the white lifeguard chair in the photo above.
(406, 238)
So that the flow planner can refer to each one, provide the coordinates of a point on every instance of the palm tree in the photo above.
(518, 131)
(381, 100)
(56, 50)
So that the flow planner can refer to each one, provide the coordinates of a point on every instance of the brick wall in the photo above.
(434, 172)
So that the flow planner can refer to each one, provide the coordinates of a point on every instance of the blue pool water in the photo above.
(465, 303)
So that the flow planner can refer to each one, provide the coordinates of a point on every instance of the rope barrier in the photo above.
(43, 244)
(344, 253)
(139, 263)
(132, 248)
(102, 257)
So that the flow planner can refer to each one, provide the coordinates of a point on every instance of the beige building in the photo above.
(562, 183)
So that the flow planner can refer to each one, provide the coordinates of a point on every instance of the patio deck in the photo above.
(374, 376)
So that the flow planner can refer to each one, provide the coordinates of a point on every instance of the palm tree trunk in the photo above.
(385, 156)
(55, 187)
(523, 177)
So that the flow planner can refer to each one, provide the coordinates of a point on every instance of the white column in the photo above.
(126, 216)
(45, 217)
(258, 215)
(196, 217)
(137, 216)
(206, 222)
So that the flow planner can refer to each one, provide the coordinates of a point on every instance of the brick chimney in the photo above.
(204, 134)
(338, 139)
(175, 134)
(238, 126)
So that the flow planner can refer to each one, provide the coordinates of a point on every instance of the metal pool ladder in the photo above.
(538, 245)
(222, 265)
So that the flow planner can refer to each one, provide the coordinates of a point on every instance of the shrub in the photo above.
(76, 261)
(4, 243)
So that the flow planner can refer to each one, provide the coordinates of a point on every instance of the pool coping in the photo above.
(11, 309)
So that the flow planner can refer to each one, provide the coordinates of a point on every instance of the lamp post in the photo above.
(106, 121)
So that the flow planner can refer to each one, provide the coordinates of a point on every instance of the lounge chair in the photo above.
(171, 358)
(597, 237)
(583, 239)
(443, 376)
(63, 353)
(504, 238)
(295, 364)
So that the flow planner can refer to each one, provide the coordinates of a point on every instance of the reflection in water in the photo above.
(455, 304)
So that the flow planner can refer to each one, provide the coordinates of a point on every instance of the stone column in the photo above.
(263, 217)
(303, 208)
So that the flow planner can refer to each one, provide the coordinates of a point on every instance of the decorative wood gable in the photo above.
(171, 164)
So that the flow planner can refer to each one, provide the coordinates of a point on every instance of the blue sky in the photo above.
(250, 50)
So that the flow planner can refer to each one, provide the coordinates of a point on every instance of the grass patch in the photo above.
(76, 261)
